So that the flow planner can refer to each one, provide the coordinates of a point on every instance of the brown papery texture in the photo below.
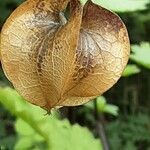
(52, 61)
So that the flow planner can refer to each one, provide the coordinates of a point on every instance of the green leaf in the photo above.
(131, 70)
(122, 5)
(106, 108)
(103, 107)
(141, 54)
(34, 128)
(24, 143)
(14, 103)
(111, 109)
(25, 130)
(61, 134)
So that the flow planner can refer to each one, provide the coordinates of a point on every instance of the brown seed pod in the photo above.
(53, 62)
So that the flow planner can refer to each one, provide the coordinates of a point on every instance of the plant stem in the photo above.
(100, 127)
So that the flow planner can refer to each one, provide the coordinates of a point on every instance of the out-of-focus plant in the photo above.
(103, 106)
(131, 70)
(141, 54)
(36, 131)
(130, 132)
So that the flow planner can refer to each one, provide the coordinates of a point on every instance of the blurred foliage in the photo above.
(103, 107)
(131, 70)
(141, 54)
(37, 131)
(133, 128)
(127, 124)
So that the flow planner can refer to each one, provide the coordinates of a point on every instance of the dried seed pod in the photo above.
(102, 54)
(54, 62)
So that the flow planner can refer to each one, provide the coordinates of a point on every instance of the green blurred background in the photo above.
(118, 120)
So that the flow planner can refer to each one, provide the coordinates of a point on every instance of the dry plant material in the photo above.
(52, 61)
